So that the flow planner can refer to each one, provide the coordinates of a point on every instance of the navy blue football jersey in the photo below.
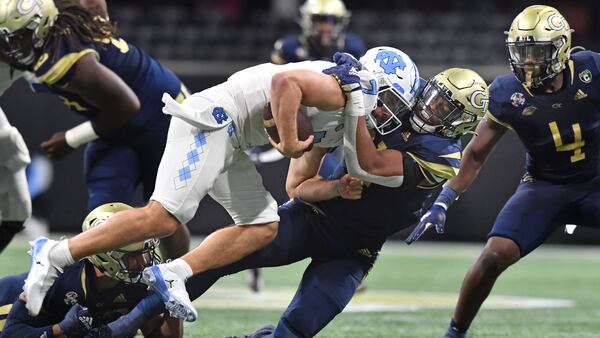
(146, 77)
(296, 48)
(435, 159)
(76, 285)
(561, 130)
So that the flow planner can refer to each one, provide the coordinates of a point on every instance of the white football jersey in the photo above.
(250, 90)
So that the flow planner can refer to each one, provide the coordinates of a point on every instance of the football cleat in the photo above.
(266, 331)
(171, 289)
(41, 274)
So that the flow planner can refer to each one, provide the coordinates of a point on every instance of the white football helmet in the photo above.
(397, 87)
(127, 263)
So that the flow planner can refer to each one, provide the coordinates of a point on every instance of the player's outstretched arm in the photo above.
(19, 323)
(291, 88)
(488, 133)
(147, 316)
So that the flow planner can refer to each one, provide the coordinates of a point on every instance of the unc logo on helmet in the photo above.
(389, 61)
(397, 80)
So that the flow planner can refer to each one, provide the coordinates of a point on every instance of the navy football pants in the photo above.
(328, 283)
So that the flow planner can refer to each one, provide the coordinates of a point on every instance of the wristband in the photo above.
(80, 134)
(446, 197)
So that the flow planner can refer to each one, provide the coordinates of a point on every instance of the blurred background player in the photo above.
(324, 33)
(75, 53)
(324, 24)
(15, 203)
(551, 101)
(106, 284)
(332, 221)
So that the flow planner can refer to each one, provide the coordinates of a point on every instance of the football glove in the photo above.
(346, 76)
(435, 216)
(345, 59)
(78, 321)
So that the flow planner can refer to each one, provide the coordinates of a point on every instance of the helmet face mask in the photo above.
(391, 110)
(127, 263)
(132, 263)
(24, 24)
(397, 83)
(538, 43)
(451, 104)
(18, 47)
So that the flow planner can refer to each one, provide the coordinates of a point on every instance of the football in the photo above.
(302, 121)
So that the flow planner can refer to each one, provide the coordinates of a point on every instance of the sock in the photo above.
(457, 327)
(181, 268)
(60, 255)
(454, 331)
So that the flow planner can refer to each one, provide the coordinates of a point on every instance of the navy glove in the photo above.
(346, 76)
(435, 216)
(345, 59)
(78, 321)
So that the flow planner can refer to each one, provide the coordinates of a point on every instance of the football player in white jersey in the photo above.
(205, 155)
(15, 202)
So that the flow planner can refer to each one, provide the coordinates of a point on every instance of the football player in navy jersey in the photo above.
(331, 220)
(551, 101)
(74, 52)
(323, 34)
(101, 293)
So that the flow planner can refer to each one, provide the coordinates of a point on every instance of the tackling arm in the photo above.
(304, 183)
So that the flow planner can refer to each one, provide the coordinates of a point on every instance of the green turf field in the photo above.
(410, 293)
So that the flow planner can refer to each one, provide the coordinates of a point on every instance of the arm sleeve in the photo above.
(20, 324)
(353, 166)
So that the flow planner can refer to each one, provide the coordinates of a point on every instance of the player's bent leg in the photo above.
(124, 228)
(325, 290)
(498, 254)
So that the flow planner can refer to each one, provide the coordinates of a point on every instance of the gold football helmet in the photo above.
(127, 263)
(324, 20)
(451, 104)
(539, 43)
(23, 26)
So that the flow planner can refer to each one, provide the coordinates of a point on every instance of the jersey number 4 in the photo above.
(576, 146)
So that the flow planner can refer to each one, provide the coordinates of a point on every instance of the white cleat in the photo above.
(41, 274)
(172, 290)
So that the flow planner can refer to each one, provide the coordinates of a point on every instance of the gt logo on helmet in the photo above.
(25, 7)
(556, 22)
(478, 99)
